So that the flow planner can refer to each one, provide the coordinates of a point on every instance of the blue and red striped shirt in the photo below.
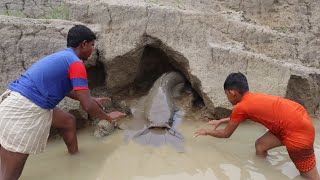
(49, 80)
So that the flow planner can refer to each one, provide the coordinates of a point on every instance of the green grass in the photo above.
(59, 12)
(281, 29)
(179, 4)
(175, 3)
(14, 13)
(152, 1)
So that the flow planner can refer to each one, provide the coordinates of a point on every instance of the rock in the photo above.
(122, 123)
(103, 128)
(73, 107)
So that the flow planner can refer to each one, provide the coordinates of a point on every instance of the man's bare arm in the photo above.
(72, 95)
(91, 106)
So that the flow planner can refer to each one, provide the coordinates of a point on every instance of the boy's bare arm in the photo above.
(221, 133)
(224, 120)
(224, 133)
(216, 122)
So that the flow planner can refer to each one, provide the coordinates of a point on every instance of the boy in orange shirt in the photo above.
(288, 123)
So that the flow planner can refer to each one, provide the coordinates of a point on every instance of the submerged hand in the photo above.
(201, 132)
(116, 114)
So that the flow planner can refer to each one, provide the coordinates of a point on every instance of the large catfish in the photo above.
(159, 106)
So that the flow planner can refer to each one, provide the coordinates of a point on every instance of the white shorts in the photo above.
(24, 126)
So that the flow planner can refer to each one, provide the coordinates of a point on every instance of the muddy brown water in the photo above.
(203, 158)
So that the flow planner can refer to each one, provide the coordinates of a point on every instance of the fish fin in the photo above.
(174, 141)
(174, 132)
(144, 131)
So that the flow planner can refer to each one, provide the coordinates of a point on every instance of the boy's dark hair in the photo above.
(79, 33)
(236, 81)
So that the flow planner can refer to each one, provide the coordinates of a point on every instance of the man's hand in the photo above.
(101, 100)
(201, 132)
(116, 114)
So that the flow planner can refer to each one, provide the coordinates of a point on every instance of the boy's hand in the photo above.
(116, 114)
(214, 123)
(200, 132)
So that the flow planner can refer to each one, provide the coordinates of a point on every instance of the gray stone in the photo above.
(103, 128)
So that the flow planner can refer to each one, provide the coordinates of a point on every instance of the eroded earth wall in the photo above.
(275, 43)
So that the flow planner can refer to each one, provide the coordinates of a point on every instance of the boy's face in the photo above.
(86, 49)
(233, 96)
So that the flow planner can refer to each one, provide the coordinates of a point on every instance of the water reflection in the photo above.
(231, 171)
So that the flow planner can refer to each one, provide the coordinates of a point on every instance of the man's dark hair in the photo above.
(236, 81)
(79, 33)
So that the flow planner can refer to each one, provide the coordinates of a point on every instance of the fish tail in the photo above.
(174, 132)
(144, 131)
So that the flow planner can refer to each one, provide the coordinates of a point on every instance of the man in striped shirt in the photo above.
(28, 107)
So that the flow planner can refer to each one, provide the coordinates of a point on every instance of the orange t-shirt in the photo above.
(286, 119)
